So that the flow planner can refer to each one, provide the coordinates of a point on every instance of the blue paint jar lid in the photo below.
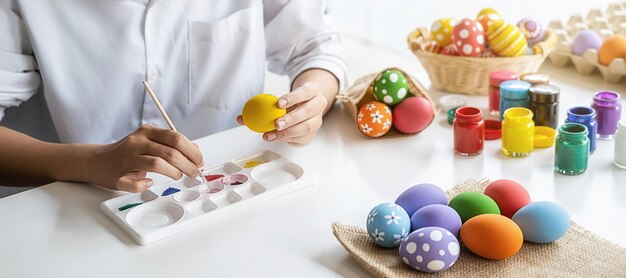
(514, 89)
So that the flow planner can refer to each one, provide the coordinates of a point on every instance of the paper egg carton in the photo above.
(604, 22)
(196, 203)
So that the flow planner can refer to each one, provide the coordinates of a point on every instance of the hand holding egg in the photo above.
(268, 114)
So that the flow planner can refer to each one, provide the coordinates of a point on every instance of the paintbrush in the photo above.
(167, 118)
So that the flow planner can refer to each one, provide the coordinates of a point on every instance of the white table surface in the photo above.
(58, 230)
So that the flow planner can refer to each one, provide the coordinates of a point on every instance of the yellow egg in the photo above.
(506, 39)
(486, 11)
(260, 112)
(441, 30)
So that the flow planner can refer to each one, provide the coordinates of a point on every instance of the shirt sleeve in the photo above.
(299, 37)
(19, 79)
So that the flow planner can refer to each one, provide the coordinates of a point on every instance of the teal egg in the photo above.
(470, 204)
(391, 87)
(388, 224)
(542, 222)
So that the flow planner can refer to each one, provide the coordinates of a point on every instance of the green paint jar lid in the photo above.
(451, 116)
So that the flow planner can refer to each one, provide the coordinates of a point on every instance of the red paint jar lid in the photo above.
(493, 130)
(498, 76)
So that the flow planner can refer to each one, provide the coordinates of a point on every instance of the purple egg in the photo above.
(532, 29)
(430, 249)
(421, 195)
(587, 39)
(437, 215)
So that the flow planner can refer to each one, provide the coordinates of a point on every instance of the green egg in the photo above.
(391, 87)
(470, 204)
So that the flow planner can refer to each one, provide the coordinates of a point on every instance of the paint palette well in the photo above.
(170, 208)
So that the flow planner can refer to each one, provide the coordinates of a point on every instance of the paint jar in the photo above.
(544, 103)
(571, 153)
(587, 117)
(535, 78)
(496, 77)
(620, 146)
(469, 131)
(518, 131)
(608, 113)
(513, 93)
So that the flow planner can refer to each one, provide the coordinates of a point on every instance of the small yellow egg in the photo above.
(487, 11)
(441, 31)
(260, 112)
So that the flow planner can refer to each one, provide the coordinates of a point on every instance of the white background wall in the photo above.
(388, 22)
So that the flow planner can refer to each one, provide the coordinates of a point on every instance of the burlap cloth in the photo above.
(578, 254)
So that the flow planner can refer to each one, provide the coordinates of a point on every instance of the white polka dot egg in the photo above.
(441, 30)
(430, 249)
(468, 37)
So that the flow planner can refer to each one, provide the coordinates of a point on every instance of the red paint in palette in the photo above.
(213, 177)
(469, 131)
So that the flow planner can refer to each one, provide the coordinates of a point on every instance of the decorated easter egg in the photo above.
(532, 29)
(506, 39)
(374, 119)
(413, 115)
(430, 249)
(391, 87)
(449, 50)
(441, 30)
(509, 195)
(468, 38)
(470, 204)
(388, 224)
(542, 222)
(260, 112)
(585, 40)
(437, 215)
(486, 20)
(492, 236)
(612, 48)
(421, 195)
(486, 11)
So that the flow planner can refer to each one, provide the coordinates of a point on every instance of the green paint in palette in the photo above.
(128, 206)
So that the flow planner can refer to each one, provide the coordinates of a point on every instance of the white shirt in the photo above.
(203, 59)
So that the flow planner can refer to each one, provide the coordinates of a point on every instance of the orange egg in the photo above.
(613, 47)
(374, 119)
(492, 236)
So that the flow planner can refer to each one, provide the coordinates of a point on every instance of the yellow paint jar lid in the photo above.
(544, 137)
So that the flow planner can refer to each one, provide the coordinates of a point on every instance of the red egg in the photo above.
(468, 37)
(412, 115)
(509, 195)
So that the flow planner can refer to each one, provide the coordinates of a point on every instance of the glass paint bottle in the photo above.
(513, 93)
(517, 132)
(496, 77)
(587, 117)
(469, 131)
(571, 154)
(620, 146)
(544, 103)
(608, 113)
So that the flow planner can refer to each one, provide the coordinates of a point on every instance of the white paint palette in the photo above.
(604, 22)
(173, 207)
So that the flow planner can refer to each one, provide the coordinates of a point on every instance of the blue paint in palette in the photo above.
(170, 191)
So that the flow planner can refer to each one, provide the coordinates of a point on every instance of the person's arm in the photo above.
(119, 166)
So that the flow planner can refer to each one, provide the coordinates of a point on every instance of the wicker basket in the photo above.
(469, 75)
(361, 92)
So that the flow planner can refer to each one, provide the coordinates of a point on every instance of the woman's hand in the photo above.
(123, 165)
(305, 108)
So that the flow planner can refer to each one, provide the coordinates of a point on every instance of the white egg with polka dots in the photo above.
(468, 38)
(430, 249)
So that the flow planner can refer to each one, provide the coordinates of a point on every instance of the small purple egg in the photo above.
(430, 249)
(421, 195)
(437, 215)
(587, 39)
(532, 29)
